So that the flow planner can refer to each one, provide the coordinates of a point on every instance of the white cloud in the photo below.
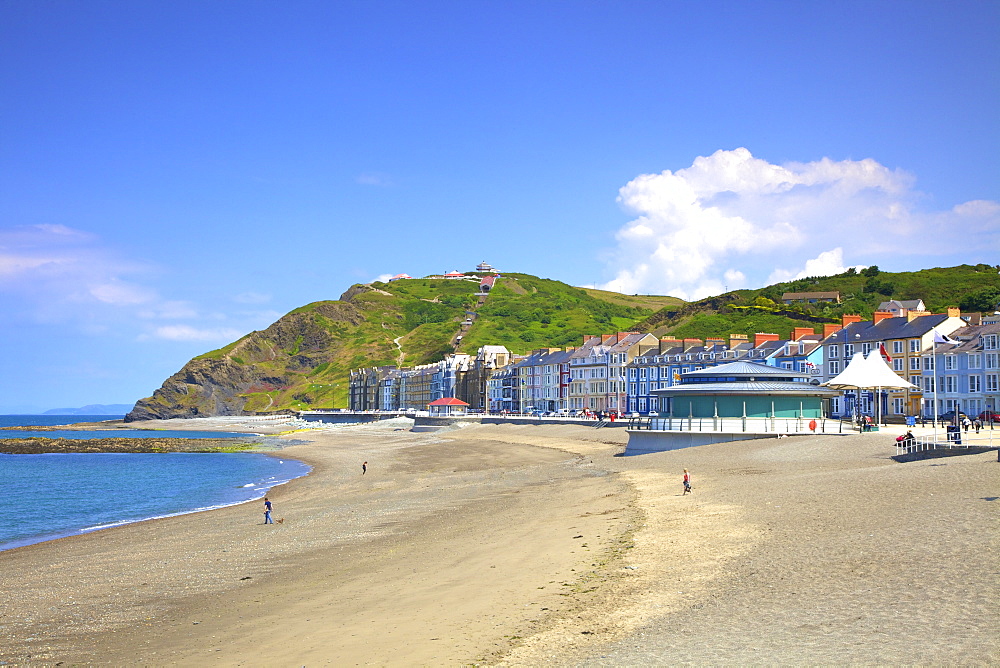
(748, 221)
(118, 293)
(188, 333)
(252, 298)
(374, 179)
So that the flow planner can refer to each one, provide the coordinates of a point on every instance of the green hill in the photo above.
(303, 360)
(970, 287)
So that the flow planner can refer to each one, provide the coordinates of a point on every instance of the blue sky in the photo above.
(174, 175)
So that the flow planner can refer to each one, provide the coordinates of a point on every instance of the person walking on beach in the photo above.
(364, 468)
(687, 482)
(267, 511)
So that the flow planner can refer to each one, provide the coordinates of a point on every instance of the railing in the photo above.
(769, 425)
(948, 441)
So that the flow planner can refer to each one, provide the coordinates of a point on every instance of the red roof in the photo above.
(448, 401)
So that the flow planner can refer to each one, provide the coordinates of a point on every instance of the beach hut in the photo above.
(447, 406)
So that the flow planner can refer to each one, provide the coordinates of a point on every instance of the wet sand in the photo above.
(536, 544)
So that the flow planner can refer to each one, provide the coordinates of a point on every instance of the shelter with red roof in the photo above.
(447, 406)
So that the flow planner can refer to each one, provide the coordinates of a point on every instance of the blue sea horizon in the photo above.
(65, 494)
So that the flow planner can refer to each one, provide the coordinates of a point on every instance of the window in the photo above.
(631, 373)
(897, 363)
(991, 361)
(833, 351)
(897, 347)
(929, 384)
(950, 385)
(897, 406)
(866, 348)
(990, 341)
(950, 362)
(975, 361)
(975, 384)
(929, 363)
(914, 364)
(848, 350)
(914, 345)
(992, 384)
(834, 368)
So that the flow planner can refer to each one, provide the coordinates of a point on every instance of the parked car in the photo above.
(950, 416)
(989, 416)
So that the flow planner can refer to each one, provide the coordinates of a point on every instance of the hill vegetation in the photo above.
(973, 288)
(303, 360)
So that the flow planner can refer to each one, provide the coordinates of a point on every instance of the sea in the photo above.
(51, 496)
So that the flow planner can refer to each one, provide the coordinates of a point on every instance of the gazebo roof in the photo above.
(743, 371)
(447, 401)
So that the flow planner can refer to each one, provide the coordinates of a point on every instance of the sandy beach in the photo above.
(539, 545)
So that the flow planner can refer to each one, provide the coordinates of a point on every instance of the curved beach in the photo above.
(536, 544)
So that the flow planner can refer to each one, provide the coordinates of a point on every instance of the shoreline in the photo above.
(521, 545)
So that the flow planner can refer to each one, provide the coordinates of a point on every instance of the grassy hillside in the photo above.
(525, 312)
(970, 287)
(303, 360)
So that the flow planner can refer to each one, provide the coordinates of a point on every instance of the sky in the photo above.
(174, 175)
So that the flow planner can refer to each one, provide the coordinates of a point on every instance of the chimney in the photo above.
(668, 342)
(830, 328)
(718, 342)
(588, 337)
(849, 319)
(954, 312)
(761, 337)
(692, 343)
(879, 316)
(737, 339)
(799, 332)
(609, 339)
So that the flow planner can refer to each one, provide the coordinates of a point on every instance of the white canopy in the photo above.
(872, 372)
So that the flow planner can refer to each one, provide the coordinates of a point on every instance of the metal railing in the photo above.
(754, 425)
(948, 441)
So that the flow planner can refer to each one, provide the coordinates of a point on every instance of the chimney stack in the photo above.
(761, 337)
(879, 316)
(717, 342)
(830, 328)
(737, 339)
(849, 319)
(668, 342)
(800, 332)
(692, 343)
(954, 312)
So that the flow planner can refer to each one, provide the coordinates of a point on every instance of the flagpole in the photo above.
(934, 370)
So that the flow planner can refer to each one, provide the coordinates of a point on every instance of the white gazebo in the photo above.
(871, 373)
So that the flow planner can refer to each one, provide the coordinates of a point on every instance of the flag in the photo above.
(885, 353)
(941, 338)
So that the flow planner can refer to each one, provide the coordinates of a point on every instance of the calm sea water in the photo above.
(55, 495)
(56, 420)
